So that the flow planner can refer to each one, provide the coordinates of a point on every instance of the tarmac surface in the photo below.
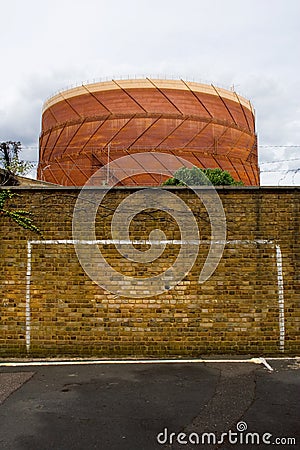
(150, 406)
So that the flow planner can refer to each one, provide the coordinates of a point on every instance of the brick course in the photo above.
(235, 312)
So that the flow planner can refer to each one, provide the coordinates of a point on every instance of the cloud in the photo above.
(20, 115)
(255, 48)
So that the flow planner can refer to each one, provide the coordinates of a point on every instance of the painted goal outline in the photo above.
(278, 254)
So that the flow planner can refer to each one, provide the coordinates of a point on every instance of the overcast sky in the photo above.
(254, 46)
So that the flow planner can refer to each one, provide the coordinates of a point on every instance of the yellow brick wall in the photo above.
(235, 312)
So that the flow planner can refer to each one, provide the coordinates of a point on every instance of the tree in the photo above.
(12, 166)
(10, 158)
(199, 177)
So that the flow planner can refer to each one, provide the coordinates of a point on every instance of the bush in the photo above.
(201, 177)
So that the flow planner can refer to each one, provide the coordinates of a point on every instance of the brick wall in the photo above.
(50, 307)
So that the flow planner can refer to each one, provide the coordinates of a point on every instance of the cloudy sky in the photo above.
(48, 45)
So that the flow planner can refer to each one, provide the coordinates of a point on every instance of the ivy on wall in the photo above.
(21, 217)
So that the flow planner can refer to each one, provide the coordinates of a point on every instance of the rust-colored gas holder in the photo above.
(86, 127)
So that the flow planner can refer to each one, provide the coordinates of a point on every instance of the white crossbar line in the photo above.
(148, 242)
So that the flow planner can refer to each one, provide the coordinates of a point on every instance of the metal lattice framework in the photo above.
(85, 127)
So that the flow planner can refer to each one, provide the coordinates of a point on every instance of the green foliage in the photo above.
(220, 177)
(10, 158)
(201, 177)
(21, 217)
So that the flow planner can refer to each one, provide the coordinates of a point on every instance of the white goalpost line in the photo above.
(280, 283)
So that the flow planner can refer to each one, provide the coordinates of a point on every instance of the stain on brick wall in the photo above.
(250, 305)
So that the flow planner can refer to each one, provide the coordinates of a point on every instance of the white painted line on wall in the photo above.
(149, 242)
(28, 281)
(162, 242)
(280, 298)
(84, 362)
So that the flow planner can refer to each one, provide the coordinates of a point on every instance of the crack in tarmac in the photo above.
(10, 382)
(233, 396)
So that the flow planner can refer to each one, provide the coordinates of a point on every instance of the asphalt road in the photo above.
(146, 407)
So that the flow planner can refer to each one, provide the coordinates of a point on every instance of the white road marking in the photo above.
(262, 361)
(131, 361)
